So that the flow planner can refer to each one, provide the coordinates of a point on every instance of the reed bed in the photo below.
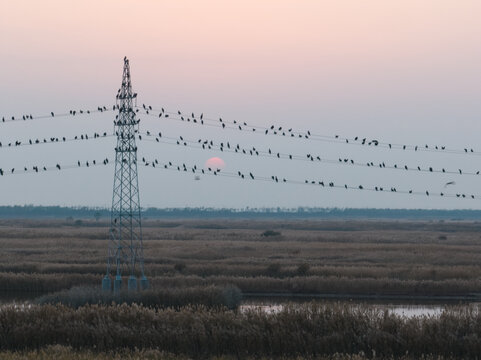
(59, 352)
(330, 285)
(209, 296)
(46, 283)
(305, 257)
(310, 330)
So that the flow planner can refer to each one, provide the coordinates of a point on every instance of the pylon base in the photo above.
(106, 283)
(144, 283)
(117, 284)
(132, 283)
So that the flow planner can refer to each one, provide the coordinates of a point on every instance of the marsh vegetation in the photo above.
(308, 330)
(198, 270)
(302, 257)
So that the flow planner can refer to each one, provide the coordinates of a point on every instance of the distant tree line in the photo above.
(31, 211)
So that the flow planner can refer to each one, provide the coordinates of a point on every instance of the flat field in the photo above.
(190, 261)
(301, 257)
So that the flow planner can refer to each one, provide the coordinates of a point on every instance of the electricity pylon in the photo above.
(125, 253)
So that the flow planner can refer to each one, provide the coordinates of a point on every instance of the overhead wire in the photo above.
(205, 144)
(57, 167)
(54, 140)
(249, 175)
(289, 132)
(77, 112)
(244, 175)
(241, 126)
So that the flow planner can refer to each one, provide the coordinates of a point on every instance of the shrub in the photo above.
(180, 267)
(232, 296)
(303, 269)
(270, 233)
(273, 269)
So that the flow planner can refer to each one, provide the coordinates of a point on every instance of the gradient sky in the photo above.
(402, 71)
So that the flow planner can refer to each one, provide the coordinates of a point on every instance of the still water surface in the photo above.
(272, 306)
(405, 310)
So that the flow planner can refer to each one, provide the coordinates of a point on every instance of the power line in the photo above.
(252, 151)
(250, 176)
(234, 125)
(210, 145)
(243, 175)
(287, 132)
(29, 117)
(54, 140)
(48, 168)
(243, 126)
(272, 154)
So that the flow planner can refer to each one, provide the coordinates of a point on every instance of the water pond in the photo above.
(274, 305)
(407, 310)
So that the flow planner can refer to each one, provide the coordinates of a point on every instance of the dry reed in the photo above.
(310, 330)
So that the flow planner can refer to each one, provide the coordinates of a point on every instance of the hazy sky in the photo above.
(401, 71)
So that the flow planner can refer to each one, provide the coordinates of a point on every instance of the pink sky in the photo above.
(336, 66)
(218, 43)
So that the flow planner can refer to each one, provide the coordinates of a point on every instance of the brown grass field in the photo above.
(391, 258)
(190, 263)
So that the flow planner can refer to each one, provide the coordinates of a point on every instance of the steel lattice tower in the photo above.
(125, 253)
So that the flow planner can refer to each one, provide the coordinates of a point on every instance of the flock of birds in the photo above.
(290, 132)
(25, 117)
(277, 179)
(239, 174)
(272, 129)
(226, 146)
(206, 144)
(37, 169)
(38, 141)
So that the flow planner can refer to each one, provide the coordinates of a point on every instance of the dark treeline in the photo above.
(30, 212)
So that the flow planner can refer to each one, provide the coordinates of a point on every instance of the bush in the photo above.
(232, 296)
(273, 269)
(303, 269)
(180, 267)
(270, 233)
